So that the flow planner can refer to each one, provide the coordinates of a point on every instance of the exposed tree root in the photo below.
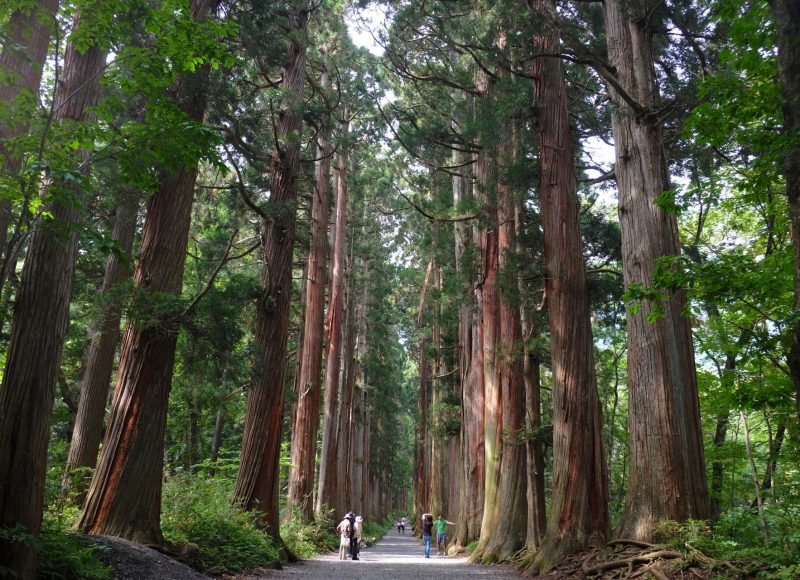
(625, 559)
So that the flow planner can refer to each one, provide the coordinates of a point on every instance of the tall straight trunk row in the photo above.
(41, 309)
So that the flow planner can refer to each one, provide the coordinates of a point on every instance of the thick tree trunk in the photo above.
(787, 20)
(667, 476)
(40, 319)
(94, 385)
(330, 458)
(345, 465)
(485, 187)
(257, 484)
(471, 443)
(537, 506)
(579, 504)
(124, 498)
(508, 538)
(309, 376)
(21, 63)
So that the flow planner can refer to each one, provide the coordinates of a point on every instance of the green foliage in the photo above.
(65, 555)
(61, 553)
(199, 512)
(446, 417)
(308, 539)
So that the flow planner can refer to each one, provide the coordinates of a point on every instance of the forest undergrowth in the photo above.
(733, 548)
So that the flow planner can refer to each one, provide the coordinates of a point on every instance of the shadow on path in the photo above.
(399, 556)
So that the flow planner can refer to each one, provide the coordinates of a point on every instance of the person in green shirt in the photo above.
(441, 533)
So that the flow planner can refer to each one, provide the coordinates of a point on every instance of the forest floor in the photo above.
(396, 556)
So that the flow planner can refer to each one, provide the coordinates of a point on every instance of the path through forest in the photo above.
(396, 556)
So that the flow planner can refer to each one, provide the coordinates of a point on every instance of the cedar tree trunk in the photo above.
(259, 473)
(330, 457)
(667, 474)
(124, 498)
(579, 503)
(94, 385)
(309, 375)
(40, 319)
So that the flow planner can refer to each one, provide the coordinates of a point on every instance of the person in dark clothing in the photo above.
(353, 540)
(427, 530)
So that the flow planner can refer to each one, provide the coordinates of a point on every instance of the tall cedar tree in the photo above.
(22, 59)
(667, 477)
(470, 503)
(512, 501)
(486, 194)
(579, 505)
(41, 316)
(257, 483)
(124, 497)
(310, 364)
(329, 456)
(99, 362)
(787, 19)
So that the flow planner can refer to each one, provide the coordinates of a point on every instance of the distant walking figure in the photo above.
(441, 533)
(427, 529)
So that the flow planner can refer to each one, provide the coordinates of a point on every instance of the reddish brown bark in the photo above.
(124, 498)
(41, 315)
(345, 465)
(507, 539)
(485, 191)
(257, 483)
(473, 459)
(667, 473)
(94, 385)
(537, 505)
(310, 361)
(21, 64)
(329, 457)
(579, 503)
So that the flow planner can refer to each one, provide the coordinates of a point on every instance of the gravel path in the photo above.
(395, 557)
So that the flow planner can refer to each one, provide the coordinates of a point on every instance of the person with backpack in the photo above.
(351, 517)
(427, 529)
(344, 529)
(359, 525)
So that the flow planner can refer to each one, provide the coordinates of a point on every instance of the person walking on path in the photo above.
(427, 529)
(351, 517)
(441, 533)
(357, 536)
(344, 530)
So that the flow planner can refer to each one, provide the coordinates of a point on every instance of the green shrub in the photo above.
(308, 539)
(199, 512)
(374, 531)
(63, 554)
